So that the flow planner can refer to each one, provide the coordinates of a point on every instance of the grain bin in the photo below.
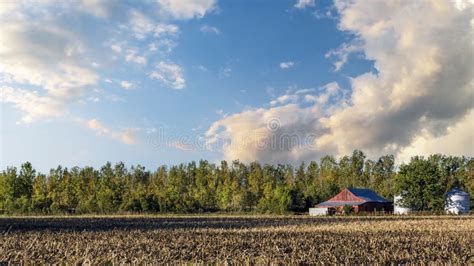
(398, 208)
(457, 202)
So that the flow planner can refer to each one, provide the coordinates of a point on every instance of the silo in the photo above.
(397, 206)
(457, 202)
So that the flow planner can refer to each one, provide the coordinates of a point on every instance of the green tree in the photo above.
(419, 181)
(329, 177)
(24, 183)
(7, 189)
(40, 200)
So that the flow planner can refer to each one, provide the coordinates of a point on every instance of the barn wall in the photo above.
(376, 206)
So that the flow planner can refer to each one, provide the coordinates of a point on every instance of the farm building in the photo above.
(457, 202)
(398, 206)
(360, 199)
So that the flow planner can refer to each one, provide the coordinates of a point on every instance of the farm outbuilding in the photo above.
(398, 206)
(457, 202)
(360, 199)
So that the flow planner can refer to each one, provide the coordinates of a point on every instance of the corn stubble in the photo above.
(255, 240)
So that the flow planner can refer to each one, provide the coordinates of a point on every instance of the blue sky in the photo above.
(165, 82)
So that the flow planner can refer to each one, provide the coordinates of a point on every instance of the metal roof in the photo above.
(367, 195)
(339, 203)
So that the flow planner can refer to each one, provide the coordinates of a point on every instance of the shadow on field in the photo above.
(163, 223)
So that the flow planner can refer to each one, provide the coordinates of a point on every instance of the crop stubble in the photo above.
(249, 240)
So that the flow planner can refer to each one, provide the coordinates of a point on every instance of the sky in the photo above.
(155, 82)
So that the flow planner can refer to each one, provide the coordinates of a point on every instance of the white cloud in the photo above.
(457, 141)
(127, 85)
(342, 54)
(304, 91)
(52, 62)
(9, 7)
(141, 25)
(310, 98)
(302, 4)
(424, 80)
(284, 99)
(418, 102)
(98, 8)
(286, 65)
(330, 90)
(163, 45)
(170, 74)
(165, 29)
(40, 50)
(95, 125)
(210, 29)
(125, 136)
(132, 56)
(43, 57)
(93, 99)
(270, 135)
(48, 65)
(33, 106)
(128, 137)
(152, 47)
(187, 9)
(116, 48)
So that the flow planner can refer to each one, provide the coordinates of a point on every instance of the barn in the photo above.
(360, 199)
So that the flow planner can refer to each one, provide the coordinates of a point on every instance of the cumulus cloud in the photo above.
(420, 95)
(125, 136)
(187, 9)
(302, 4)
(210, 29)
(286, 65)
(170, 74)
(424, 80)
(272, 135)
(458, 140)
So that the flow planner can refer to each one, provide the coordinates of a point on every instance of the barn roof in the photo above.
(339, 203)
(367, 194)
(353, 197)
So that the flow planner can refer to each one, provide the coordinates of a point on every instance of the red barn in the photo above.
(360, 199)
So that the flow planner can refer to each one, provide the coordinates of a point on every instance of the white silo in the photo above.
(457, 202)
(397, 205)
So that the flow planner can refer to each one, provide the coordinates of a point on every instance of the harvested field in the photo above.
(259, 240)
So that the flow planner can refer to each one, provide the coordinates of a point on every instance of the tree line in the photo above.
(230, 187)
